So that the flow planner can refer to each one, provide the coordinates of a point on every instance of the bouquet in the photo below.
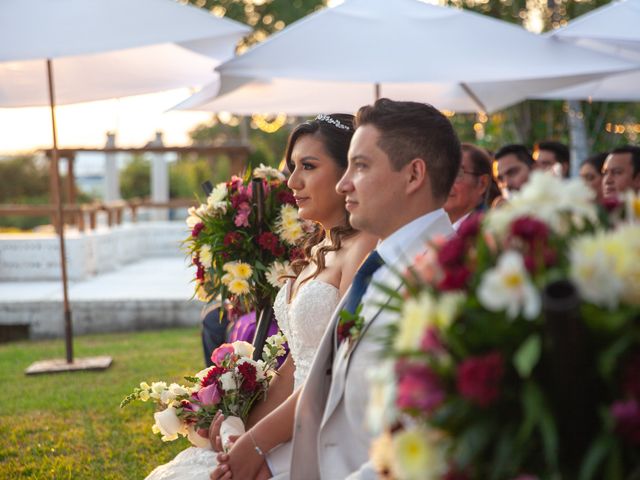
(232, 385)
(517, 352)
(243, 238)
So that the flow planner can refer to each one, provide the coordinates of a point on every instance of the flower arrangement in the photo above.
(241, 251)
(232, 385)
(517, 352)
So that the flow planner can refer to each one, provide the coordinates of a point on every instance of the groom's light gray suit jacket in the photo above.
(330, 439)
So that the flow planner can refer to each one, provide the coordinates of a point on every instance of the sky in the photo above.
(134, 120)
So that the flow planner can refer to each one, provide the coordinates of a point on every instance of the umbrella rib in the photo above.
(473, 97)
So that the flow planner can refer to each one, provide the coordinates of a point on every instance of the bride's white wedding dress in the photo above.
(303, 321)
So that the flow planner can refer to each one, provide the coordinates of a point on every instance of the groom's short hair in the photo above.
(411, 130)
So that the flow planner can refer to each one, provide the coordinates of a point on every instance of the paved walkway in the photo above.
(151, 279)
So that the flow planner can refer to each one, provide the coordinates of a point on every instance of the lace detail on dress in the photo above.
(192, 463)
(304, 321)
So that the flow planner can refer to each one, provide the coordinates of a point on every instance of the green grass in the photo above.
(70, 426)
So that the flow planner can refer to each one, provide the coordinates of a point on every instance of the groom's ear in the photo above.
(416, 175)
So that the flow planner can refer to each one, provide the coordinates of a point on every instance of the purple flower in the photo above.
(209, 395)
(627, 420)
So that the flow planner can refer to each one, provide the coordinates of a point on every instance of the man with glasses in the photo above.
(471, 188)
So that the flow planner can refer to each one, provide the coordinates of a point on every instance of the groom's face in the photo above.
(373, 189)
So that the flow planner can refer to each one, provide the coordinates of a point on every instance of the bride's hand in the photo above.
(214, 432)
(241, 462)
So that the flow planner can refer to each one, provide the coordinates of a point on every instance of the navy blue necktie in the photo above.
(361, 281)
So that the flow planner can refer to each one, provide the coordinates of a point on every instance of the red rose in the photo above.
(286, 197)
(295, 254)
(479, 378)
(611, 203)
(631, 376)
(212, 376)
(627, 420)
(455, 278)
(197, 228)
(451, 254)
(470, 227)
(268, 241)
(248, 372)
(530, 229)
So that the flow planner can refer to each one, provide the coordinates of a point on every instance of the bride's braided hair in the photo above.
(335, 132)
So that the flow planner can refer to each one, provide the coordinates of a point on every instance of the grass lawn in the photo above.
(70, 426)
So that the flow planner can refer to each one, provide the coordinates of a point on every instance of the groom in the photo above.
(403, 160)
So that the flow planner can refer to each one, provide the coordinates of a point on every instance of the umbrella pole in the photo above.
(57, 198)
(474, 97)
(376, 91)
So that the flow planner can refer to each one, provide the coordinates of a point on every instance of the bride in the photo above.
(316, 156)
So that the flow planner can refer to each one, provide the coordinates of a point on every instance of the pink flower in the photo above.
(242, 217)
(418, 388)
(234, 184)
(627, 420)
(209, 395)
(455, 278)
(286, 197)
(220, 353)
(479, 378)
(431, 342)
(426, 266)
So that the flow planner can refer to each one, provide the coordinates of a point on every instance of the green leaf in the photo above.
(472, 441)
(531, 400)
(549, 434)
(595, 456)
(607, 359)
(528, 355)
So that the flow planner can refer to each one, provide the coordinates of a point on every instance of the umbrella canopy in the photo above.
(107, 48)
(613, 28)
(102, 49)
(455, 59)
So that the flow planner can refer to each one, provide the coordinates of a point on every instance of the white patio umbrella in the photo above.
(614, 29)
(103, 49)
(343, 57)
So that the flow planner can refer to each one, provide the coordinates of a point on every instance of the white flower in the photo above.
(507, 287)
(167, 397)
(144, 395)
(268, 172)
(243, 349)
(289, 227)
(381, 411)
(218, 194)
(197, 440)
(144, 386)
(276, 341)
(193, 217)
(205, 256)
(277, 273)
(157, 388)
(178, 390)
(417, 315)
(228, 381)
(168, 424)
(418, 454)
(606, 266)
(201, 293)
(557, 202)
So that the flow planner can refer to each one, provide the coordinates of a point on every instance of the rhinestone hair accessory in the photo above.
(333, 121)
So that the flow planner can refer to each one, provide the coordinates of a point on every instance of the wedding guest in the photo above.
(316, 155)
(591, 173)
(403, 160)
(550, 155)
(513, 164)
(472, 186)
(214, 330)
(621, 171)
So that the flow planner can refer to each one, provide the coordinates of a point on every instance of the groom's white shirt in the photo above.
(331, 440)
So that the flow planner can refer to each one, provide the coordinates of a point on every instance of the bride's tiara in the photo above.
(333, 121)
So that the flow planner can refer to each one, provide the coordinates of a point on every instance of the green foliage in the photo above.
(23, 177)
(135, 178)
(69, 425)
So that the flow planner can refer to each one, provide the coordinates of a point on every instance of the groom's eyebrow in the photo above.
(360, 156)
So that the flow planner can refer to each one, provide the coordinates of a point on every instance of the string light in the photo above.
(269, 123)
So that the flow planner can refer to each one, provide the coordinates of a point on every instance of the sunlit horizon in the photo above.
(133, 119)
